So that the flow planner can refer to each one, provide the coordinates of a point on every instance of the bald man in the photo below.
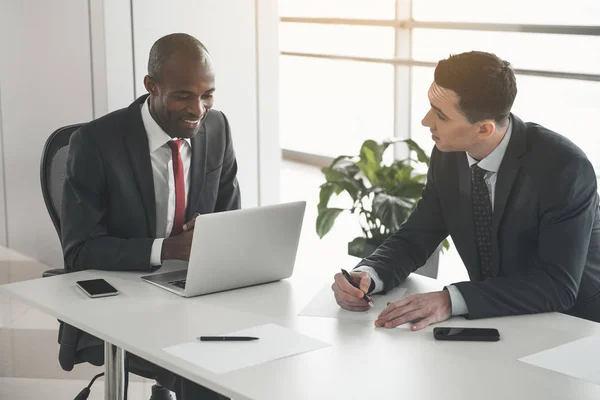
(137, 177)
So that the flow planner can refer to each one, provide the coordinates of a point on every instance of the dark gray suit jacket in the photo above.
(108, 218)
(546, 229)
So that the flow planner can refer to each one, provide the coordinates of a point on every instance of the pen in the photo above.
(351, 281)
(226, 338)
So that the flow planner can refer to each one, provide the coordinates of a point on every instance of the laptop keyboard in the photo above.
(180, 283)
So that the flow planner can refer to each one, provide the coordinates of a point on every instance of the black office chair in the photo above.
(53, 169)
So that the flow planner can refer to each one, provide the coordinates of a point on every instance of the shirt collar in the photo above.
(494, 159)
(157, 137)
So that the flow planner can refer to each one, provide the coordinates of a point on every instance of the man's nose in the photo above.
(197, 108)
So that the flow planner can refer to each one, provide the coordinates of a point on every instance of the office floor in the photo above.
(28, 349)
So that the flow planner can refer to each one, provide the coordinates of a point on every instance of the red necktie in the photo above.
(178, 221)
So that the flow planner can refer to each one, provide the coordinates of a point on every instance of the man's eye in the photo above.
(207, 96)
(440, 116)
(182, 97)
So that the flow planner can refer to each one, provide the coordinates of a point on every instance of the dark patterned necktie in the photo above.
(482, 215)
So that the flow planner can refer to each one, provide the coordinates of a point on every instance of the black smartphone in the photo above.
(470, 334)
(97, 288)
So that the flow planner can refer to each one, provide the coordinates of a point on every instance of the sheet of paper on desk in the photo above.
(219, 357)
(324, 305)
(578, 359)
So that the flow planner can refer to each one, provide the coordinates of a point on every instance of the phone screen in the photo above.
(477, 334)
(96, 287)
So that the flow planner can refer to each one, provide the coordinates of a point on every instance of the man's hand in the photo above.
(179, 247)
(426, 308)
(349, 297)
(189, 226)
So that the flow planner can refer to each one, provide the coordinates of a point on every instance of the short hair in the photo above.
(485, 84)
(164, 47)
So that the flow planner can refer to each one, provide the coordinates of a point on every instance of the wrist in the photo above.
(168, 249)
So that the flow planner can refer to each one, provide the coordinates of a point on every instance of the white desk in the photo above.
(363, 362)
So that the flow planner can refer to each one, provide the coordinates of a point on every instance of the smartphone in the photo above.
(470, 334)
(97, 288)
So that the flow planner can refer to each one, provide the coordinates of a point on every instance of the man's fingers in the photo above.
(365, 282)
(404, 318)
(403, 313)
(425, 322)
(391, 307)
(344, 297)
(344, 286)
(188, 226)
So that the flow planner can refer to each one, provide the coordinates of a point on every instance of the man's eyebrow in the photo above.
(439, 110)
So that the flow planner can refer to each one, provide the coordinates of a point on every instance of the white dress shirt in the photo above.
(164, 179)
(491, 164)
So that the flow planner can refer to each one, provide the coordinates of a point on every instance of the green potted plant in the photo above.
(383, 196)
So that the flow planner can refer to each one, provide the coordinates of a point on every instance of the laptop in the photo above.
(235, 249)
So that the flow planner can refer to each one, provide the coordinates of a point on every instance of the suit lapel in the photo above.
(198, 171)
(511, 163)
(466, 208)
(136, 141)
(509, 168)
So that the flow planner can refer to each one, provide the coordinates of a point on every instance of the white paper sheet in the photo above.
(219, 357)
(579, 359)
(324, 305)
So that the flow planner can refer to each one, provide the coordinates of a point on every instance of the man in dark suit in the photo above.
(135, 176)
(519, 201)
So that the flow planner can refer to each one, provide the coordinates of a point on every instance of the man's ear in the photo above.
(150, 85)
(487, 128)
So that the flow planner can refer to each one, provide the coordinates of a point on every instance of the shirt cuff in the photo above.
(459, 305)
(156, 252)
(374, 277)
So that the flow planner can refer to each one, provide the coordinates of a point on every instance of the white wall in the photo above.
(45, 77)
(63, 63)
(112, 55)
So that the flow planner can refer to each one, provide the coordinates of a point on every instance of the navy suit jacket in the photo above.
(546, 229)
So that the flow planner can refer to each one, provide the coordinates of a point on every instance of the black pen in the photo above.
(351, 281)
(227, 338)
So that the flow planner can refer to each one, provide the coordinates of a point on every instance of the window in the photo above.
(354, 70)
(331, 106)
(575, 12)
(372, 9)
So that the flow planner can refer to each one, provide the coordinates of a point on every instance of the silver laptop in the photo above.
(237, 248)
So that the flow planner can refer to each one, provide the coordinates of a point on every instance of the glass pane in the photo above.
(361, 41)
(567, 53)
(329, 107)
(566, 106)
(421, 80)
(563, 105)
(575, 12)
(372, 9)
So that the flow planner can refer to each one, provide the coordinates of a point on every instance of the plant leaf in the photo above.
(356, 246)
(371, 156)
(391, 210)
(403, 174)
(410, 189)
(325, 220)
(421, 156)
(327, 189)
(420, 178)
(446, 244)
